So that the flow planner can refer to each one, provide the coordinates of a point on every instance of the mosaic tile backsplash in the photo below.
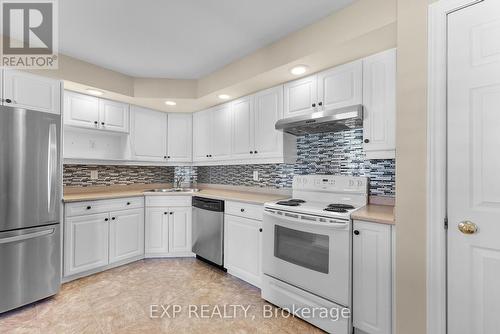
(79, 175)
(326, 153)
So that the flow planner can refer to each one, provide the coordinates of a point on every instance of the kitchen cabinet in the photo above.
(243, 240)
(156, 239)
(148, 134)
(340, 86)
(221, 132)
(114, 116)
(91, 112)
(180, 137)
(202, 132)
(30, 91)
(372, 277)
(301, 96)
(379, 100)
(179, 228)
(126, 234)
(86, 243)
(242, 139)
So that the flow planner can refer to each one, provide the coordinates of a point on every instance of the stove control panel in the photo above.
(331, 183)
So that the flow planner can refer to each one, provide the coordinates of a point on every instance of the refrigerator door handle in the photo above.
(51, 164)
(26, 236)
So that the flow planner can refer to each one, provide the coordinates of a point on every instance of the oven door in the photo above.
(309, 252)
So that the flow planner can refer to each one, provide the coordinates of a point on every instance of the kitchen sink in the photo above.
(174, 190)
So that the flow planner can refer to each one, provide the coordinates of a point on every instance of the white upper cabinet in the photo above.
(379, 100)
(268, 109)
(202, 131)
(180, 137)
(29, 91)
(81, 110)
(148, 134)
(114, 116)
(340, 86)
(221, 132)
(301, 96)
(242, 128)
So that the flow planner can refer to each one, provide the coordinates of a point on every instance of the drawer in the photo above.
(103, 206)
(159, 201)
(245, 210)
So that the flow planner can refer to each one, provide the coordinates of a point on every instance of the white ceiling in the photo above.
(181, 39)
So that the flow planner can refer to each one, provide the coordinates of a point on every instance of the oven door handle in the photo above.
(288, 216)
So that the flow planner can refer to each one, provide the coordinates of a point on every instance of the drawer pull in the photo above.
(106, 219)
(89, 207)
(128, 203)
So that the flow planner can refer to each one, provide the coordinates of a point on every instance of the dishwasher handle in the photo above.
(208, 204)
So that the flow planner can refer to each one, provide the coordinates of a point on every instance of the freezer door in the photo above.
(30, 265)
(29, 168)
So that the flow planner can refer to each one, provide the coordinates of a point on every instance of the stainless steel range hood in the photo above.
(323, 121)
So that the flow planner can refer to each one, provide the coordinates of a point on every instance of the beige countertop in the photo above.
(383, 214)
(99, 193)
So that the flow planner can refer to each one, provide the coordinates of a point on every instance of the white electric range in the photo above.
(307, 250)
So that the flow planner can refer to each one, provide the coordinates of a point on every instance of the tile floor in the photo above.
(119, 301)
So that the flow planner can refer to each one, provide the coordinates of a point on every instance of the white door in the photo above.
(126, 235)
(180, 137)
(148, 134)
(221, 132)
(379, 102)
(341, 86)
(81, 110)
(179, 222)
(242, 128)
(25, 90)
(114, 116)
(202, 133)
(85, 243)
(372, 277)
(156, 231)
(301, 96)
(268, 109)
(473, 169)
(243, 244)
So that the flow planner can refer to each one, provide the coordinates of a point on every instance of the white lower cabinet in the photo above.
(242, 248)
(101, 234)
(372, 277)
(168, 227)
(126, 234)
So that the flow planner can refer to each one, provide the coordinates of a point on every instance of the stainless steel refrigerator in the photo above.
(30, 191)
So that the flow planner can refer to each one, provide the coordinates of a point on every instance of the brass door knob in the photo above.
(467, 227)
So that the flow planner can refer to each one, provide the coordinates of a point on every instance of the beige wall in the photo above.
(411, 159)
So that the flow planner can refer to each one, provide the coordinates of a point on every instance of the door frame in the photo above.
(437, 162)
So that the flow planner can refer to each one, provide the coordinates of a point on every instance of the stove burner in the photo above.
(339, 210)
(288, 203)
(340, 206)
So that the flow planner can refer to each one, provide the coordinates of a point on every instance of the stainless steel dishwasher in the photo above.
(208, 229)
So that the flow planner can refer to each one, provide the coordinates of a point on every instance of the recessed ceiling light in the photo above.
(224, 96)
(299, 69)
(170, 103)
(94, 92)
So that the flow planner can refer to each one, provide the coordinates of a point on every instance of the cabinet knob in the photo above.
(165, 213)
(89, 207)
(168, 156)
(320, 103)
(255, 152)
(209, 155)
(128, 203)
(171, 213)
(242, 210)
(164, 157)
(8, 100)
(260, 230)
(102, 123)
(314, 105)
(106, 219)
(367, 141)
(251, 152)
(356, 232)
(113, 218)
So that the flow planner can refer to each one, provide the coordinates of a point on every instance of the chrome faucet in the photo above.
(178, 181)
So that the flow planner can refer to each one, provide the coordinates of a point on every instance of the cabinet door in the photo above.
(149, 134)
(300, 95)
(85, 243)
(202, 135)
(29, 91)
(81, 110)
(113, 116)
(341, 86)
(221, 132)
(126, 234)
(156, 231)
(242, 111)
(379, 100)
(179, 230)
(268, 109)
(180, 137)
(372, 278)
(242, 251)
